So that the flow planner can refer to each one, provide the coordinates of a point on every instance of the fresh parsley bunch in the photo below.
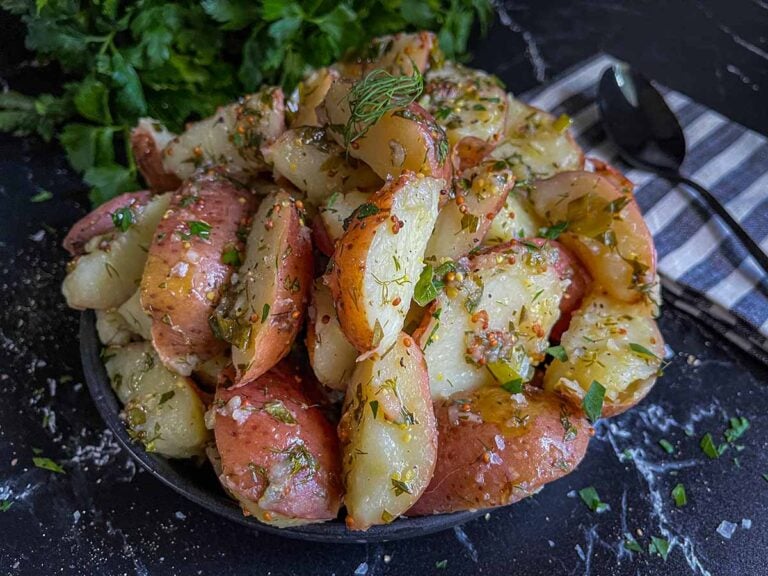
(178, 61)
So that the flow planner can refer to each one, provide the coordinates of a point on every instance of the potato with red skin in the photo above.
(148, 140)
(263, 308)
(496, 448)
(100, 220)
(279, 454)
(388, 435)
(402, 140)
(186, 269)
(378, 260)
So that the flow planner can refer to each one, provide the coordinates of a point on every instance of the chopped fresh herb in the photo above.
(631, 544)
(188, 200)
(197, 228)
(557, 352)
(765, 476)
(5, 505)
(441, 564)
(593, 401)
(678, 493)
(642, 351)
(425, 290)
(42, 196)
(264, 313)
(667, 445)
(401, 487)
(513, 386)
(123, 218)
(47, 464)
(737, 428)
(300, 459)
(279, 412)
(552, 232)
(165, 396)
(231, 255)
(374, 404)
(627, 454)
(365, 210)
(591, 498)
(376, 94)
(709, 448)
(659, 546)
(470, 222)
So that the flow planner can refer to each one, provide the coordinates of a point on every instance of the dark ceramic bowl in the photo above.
(200, 485)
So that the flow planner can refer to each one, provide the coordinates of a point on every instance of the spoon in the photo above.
(646, 132)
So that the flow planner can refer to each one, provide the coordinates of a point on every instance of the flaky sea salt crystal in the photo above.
(726, 529)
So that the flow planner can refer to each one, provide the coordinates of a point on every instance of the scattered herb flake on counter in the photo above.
(42, 196)
(122, 218)
(678, 493)
(667, 445)
(591, 498)
(631, 544)
(737, 428)
(709, 448)
(659, 546)
(5, 505)
(765, 476)
(47, 464)
(593, 401)
(441, 564)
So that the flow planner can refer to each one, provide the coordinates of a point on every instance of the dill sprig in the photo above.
(376, 94)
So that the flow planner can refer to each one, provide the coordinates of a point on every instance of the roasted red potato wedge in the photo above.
(314, 163)
(148, 141)
(388, 435)
(331, 355)
(497, 448)
(614, 343)
(110, 270)
(332, 215)
(536, 144)
(190, 261)
(491, 323)
(400, 141)
(378, 260)
(263, 308)
(232, 139)
(397, 54)
(467, 103)
(463, 222)
(280, 456)
(604, 227)
(102, 220)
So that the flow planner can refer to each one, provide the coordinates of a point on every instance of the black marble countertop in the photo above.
(105, 516)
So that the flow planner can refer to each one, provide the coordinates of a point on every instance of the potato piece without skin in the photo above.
(466, 103)
(112, 328)
(280, 456)
(334, 212)
(497, 448)
(378, 260)
(536, 144)
(388, 435)
(464, 221)
(331, 355)
(614, 343)
(136, 317)
(311, 93)
(234, 137)
(190, 261)
(263, 308)
(317, 166)
(110, 270)
(491, 324)
(516, 220)
(163, 410)
(400, 141)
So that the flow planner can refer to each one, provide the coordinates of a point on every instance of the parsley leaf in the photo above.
(737, 428)
(123, 218)
(593, 401)
(557, 352)
(709, 448)
(47, 464)
(659, 546)
(42, 196)
(678, 493)
(591, 498)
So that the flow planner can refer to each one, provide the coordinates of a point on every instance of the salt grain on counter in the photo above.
(726, 529)
(746, 523)
(362, 569)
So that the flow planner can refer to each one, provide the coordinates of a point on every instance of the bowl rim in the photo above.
(334, 531)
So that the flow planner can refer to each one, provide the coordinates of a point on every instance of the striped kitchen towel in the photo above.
(704, 270)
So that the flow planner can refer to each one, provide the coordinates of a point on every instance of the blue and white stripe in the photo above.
(704, 270)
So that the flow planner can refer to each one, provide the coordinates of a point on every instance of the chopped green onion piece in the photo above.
(667, 445)
(660, 546)
(631, 544)
(591, 498)
(42, 196)
(48, 464)
(738, 427)
(678, 493)
(557, 352)
(709, 448)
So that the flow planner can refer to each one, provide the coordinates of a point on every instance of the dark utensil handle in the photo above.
(714, 204)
